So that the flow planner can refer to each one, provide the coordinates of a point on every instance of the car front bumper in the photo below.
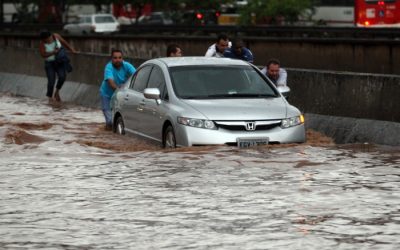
(191, 136)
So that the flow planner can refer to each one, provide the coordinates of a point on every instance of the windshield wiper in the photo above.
(241, 95)
(193, 97)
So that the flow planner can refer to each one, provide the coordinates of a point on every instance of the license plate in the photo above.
(251, 142)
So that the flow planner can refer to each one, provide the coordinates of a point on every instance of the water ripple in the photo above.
(57, 195)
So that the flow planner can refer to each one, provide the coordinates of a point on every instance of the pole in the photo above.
(1, 11)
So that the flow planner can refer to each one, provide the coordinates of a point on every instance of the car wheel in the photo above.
(119, 126)
(169, 138)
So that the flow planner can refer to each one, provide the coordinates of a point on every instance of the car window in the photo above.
(157, 80)
(156, 17)
(104, 19)
(85, 19)
(220, 82)
(139, 82)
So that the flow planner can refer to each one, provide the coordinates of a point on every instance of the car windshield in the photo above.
(104, 19)
(203, 82)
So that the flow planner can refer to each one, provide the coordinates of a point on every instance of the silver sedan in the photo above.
(188, 101)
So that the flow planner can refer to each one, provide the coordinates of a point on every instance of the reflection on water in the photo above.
(65, 183)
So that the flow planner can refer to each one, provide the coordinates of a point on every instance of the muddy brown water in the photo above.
(66, 183)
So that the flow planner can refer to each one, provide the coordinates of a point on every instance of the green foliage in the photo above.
(26, 11)
(209, 4)
(274, 11)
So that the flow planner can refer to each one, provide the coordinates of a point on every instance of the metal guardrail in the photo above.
(257, 31)
(269, 31)
(12, 27)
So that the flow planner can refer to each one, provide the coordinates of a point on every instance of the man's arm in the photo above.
(112, 83)
(211, 51)
(250, 57)
(282, 79)
(229, 54)
(109, 77)
(264, 70)
(130, 69)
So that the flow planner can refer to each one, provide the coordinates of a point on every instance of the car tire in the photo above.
(169, 138)
(119, 126)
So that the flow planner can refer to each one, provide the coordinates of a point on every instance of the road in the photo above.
(66, 183)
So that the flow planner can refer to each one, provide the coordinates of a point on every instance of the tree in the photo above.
(274, 11)
(26, 11)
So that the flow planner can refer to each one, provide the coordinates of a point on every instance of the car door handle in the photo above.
(126, 98)
(141, 104)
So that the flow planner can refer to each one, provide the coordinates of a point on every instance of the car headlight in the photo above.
(197, 123)
(293, 121)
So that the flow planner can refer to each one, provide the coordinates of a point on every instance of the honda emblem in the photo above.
(250, 126)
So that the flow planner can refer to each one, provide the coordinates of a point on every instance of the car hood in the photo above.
(240, 109)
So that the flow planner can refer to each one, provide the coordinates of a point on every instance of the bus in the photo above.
(333, 12)
(360, 13)
(377, 13)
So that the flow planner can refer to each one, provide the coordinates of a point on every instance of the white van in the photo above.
(95, 23)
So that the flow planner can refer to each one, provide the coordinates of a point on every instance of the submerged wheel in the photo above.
(119, 126)
(169, 138)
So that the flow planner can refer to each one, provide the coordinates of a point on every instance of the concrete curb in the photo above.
(34, 86)
(352, 130)
(342, 129)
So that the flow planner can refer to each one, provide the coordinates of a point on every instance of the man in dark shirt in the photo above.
(238, 51)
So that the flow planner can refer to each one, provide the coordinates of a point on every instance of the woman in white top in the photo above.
(49, 45)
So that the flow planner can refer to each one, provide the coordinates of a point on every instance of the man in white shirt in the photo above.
(218, 48)
(275, 73)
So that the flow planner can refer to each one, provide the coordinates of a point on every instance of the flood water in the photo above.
(66, 183)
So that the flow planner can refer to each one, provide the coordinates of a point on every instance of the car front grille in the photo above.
(248, 125)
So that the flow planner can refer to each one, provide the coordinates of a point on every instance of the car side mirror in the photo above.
(152, 93)
(284, 90)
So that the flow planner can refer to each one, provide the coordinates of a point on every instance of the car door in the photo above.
(105, 23)
(76, 27)
(134, 99)
(153, 113)
(85, 24)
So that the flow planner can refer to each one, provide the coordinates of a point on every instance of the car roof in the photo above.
(197, 60)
